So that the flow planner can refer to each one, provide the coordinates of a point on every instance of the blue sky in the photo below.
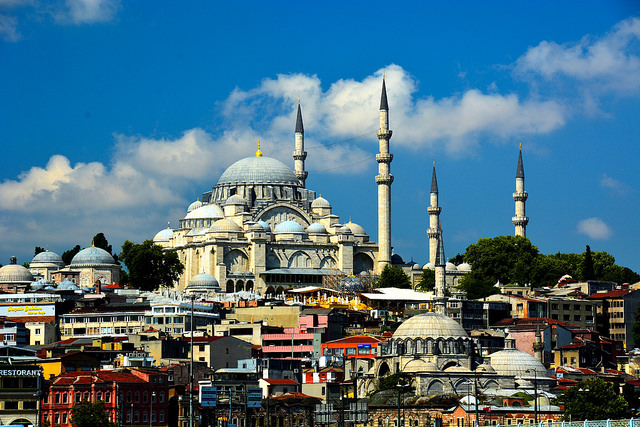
(116, 115)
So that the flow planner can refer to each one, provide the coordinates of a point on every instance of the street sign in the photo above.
(208, 396)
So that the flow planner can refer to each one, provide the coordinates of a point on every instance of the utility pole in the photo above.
(191, 369)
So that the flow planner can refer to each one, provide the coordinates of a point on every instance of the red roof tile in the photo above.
(617, 293)
(280, 381)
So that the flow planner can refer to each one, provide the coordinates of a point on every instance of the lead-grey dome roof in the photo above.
(430, 325)
(92, 256)
(203, 282)
(258, 170)
(14, 273)
(511, 361)
(47, 257)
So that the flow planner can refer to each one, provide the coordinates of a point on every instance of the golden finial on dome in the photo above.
(521, 145)
(258, 153)
(298, 100)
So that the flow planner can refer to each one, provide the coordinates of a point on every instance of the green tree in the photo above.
(588, 272)
(390, 382)
(38, 250)
(67, 256)
(392, 276)
(90, 414)
(427, 281)
(100, 241)
(594, 399)
(148, 266)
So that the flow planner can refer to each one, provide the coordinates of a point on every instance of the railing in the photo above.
(632, 422)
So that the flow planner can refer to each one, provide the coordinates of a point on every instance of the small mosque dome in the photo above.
(92, 256)
(316, 228)
(203, 282)
(416, 266)
(265, 226)
(430, 325)
(46, 257)
(36, 286)
(429, 266)
(451, 267)
(356, 229)
(396, 259)
(344, 230)
(225, 225)
(254, 226)
(14, 273)
(484, 367)
(289, 227)
(209, 211)
(236, 200)
(66, 285)
(195, 205)
(164, 235)
(420, 365)
(464, 267)
(320, 202)
(516, 363)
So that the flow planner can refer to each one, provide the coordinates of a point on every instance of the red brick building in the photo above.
(357, 346)
(132, 396)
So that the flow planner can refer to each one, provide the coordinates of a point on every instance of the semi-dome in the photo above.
(265, 226)
(92, 256)
(14, 273)
(195, 205)
(420, 365)
(236, 200)
(46, 257)
(203, 282)
(430, 325)
(320, 202)
(289, 227)
(209, 211)
(164, 235)
(517, 363)
(259, 170)
(225, 225)
(356, 229)
(316, 228)
(344, 230)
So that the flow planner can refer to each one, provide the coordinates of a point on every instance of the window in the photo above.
(565, 306)
(145, 397)
(128, 397)
(11, 404)
(137, 396)
(554, 306)
(38, 331)
(577, 318)
(64, 397)
(351, 351)
(64, 418)
(576, 307)
(57, 398)
(161, 416)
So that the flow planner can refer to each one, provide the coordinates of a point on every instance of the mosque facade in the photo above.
(260, 229)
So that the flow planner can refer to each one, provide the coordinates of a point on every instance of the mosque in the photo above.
(261, 229)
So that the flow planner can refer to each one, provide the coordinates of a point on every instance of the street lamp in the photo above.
(401, 390)
(535, 394)
(153, 397)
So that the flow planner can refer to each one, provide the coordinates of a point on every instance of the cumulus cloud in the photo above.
(607, 63)
(594, 228)
(9, 29)
(618, 187)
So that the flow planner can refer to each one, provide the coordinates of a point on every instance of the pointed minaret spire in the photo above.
(520, 220)
(384, 179)
(434, 218)
(299, 155)
(440, 270)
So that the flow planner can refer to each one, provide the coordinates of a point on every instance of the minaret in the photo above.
(299, 155)
(440, 270)
(520, 196)
(434, 218)
(384, 180)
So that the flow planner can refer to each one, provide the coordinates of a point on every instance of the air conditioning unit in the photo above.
(296, 371)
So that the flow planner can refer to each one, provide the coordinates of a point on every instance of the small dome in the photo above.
(14, 273)
(517, 363)
(464, 267)
(225, 225)
(316, 228)
(47, 257)
(485, 368)
(429, 266)
(92, 256)
(289, 227)
(164, 235)
(320, 202)
(344, 230)
(420, 365)
(356, 229)
(36, 286)
(416, 267)
(67, 285)
(431, 325)
(195, 205)
(457, 368)
(210, 211)
(203, 282)
(264, 225)
(396, 259)
(451, 267)
(235, 200)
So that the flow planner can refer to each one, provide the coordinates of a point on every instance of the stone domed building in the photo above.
(261, 229)
(45, 263)
(15, 278)
(95, 264)
(443, 359)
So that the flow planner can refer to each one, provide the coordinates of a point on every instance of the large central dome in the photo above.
(258, 170)
(430, 325)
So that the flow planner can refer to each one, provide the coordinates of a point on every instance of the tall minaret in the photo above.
(299, 155)
(384, 180)
(520, 196)
(440, 270)
(434, 218)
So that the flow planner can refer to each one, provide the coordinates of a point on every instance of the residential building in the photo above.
(616, 314)
(115, 320)
(220, 352)
(19, 393)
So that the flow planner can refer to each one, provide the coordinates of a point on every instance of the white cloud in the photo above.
(614, 185)
(9, 29)
(608, 63)
(594, 228)
(86, 11)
